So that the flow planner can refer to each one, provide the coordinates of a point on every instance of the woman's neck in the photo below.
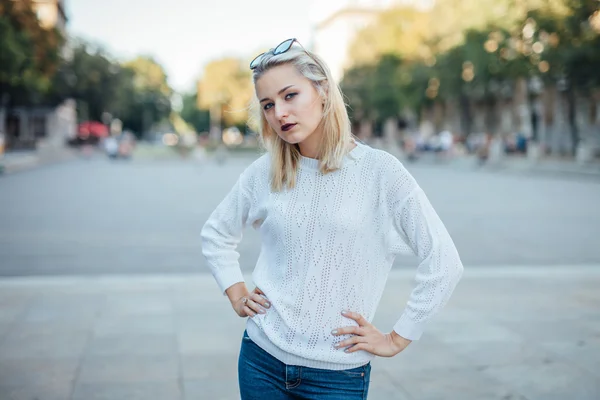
(311, 150)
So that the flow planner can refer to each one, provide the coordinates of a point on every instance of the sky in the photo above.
(183, 35)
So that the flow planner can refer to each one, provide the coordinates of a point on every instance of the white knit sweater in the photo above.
(327, 246)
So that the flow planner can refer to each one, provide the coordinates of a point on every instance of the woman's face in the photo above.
(290, 103)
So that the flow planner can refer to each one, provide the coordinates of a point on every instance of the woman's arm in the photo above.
(440, 267)
(416, 224)
(222, 233)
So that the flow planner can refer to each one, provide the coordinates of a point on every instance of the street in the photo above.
(105, 294)
(100, 217)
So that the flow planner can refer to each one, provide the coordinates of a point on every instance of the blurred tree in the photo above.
(569, 44)
(459, 50)
(356, 85)
(567, 52)
(150, 102)
(451, 19)
(226, 86)
(92, 79)
(418, 85)
(198, 118)
(418, 35)
(434, 50)
(135, 92)
(404, 32)
(149, 75)
(29, 53)
(482, 70)
(379, 91)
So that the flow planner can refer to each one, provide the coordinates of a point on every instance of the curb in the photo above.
(33, 161)
(511, 166)
(576, 271)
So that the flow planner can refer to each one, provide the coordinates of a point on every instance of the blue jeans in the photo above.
(262, 376)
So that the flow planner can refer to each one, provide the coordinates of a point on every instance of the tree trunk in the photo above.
(491, 116)
(452, 118)
(571, 112)
(466, 119)
(391, 136)
(365, 131)
(522, 109)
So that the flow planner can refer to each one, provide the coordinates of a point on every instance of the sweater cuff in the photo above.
(408, 329)
(228, 277)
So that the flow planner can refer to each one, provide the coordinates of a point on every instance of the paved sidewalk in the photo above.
(546, 165)
(508, 333)
(26, 160)
(517, 164)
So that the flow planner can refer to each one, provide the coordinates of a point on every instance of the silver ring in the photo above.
(244, 300)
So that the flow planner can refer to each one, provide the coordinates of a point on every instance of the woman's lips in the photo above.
(287, 127)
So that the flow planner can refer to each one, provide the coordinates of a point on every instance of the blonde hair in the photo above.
(285, 157)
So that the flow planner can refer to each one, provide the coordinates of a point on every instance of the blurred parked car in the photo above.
(90, 133)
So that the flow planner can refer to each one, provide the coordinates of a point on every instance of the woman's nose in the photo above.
(281, 111)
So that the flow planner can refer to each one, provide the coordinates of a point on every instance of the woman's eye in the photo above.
(267, 106)
(290, 95)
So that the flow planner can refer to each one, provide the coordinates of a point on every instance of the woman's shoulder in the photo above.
(262, 163)
(256, 171)
(390, 173)
(383, 162)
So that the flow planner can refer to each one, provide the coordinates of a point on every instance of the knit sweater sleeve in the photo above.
(440, 267)
(222, 233)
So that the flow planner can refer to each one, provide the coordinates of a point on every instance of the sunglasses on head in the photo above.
(280, 49)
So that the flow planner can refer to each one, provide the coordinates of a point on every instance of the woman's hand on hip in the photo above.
(367, 337)
(251, 304)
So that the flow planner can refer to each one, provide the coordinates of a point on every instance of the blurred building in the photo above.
(336, 23)
(333, 36)
(43, 128)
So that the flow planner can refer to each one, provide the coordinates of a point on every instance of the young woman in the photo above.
(332, 214)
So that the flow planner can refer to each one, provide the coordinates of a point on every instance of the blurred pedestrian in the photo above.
(333, 213)
(446, 144)
(412, 145)
(483, 151)
(111, 146)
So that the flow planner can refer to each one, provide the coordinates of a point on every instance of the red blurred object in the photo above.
(92, 129)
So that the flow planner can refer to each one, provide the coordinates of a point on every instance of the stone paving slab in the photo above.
(131, 391)
(510, 333)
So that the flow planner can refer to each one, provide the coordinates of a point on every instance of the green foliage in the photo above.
(150, 102)
(29, 53)
(404, 32)
(32, 71)
(226, 84)
(149, 76)
(91, 78)
(571, 43)
(198, 118)
(380, 91)
(470, 51)
(136, 92)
